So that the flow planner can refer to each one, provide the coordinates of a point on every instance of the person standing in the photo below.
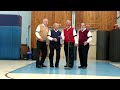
(41, 34)
(54, 37)
(69, 36)
(84, 37)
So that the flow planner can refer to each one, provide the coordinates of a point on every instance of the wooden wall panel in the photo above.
(62, 16)
(102, 20)
(88, 17)
(40, 15)
(107, 20)
(34, 25)
(68, 15)
(78, 19)
(52, 16)
(59, 17)
(37, 18)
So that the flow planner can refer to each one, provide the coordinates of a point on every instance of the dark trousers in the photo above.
(70, 59)
(52, 48)
(83, 54)
(41, 46)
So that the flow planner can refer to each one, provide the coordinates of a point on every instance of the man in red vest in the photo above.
(69, 36)
(84, 37)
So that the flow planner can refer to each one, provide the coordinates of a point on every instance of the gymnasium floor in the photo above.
(25, 69)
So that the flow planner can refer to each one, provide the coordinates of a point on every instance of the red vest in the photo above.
(83, 36)
(68, 34)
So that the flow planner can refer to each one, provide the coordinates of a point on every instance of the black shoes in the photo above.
(43, 65)
(68, 68)
(55, 66)
(38, 66)
(65, 66)
(83, 67)
(79, 66)
(51, 66)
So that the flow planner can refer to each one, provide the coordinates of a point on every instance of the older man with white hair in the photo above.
(69, 36)
(84, 37)
(55, 44)
(41, 34)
